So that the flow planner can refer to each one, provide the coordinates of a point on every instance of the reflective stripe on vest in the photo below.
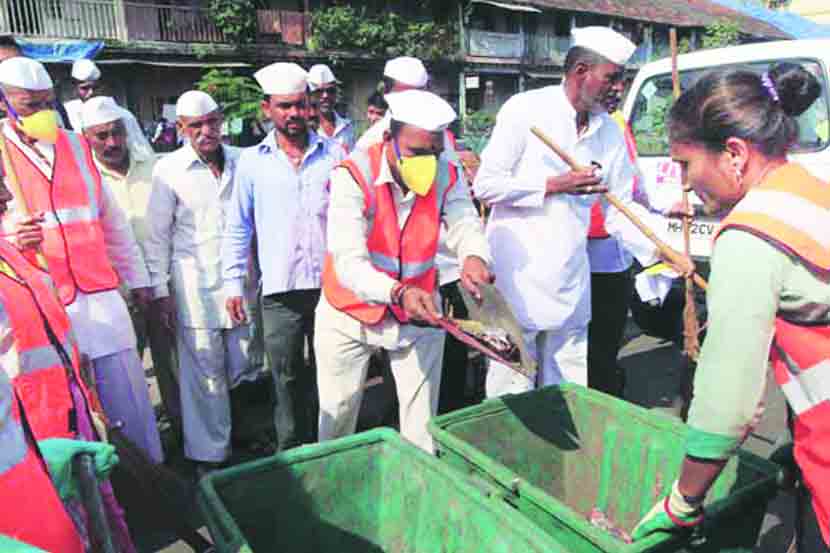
(73, 245)
(37, 368)
(406, 254)
(791, 210)
(14, 447)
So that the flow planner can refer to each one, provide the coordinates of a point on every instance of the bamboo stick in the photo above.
(667, 251)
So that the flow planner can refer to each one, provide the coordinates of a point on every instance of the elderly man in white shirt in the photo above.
(83, 238)
(186, 219)
(126, 160)
(541, 209)
(401, 190)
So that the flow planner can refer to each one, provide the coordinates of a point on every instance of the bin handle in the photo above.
(222, 538)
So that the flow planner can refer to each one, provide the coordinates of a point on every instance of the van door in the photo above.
(648, 117)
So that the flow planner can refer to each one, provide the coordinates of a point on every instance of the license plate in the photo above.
(702, 231)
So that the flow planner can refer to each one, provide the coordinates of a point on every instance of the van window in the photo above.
(654, 99)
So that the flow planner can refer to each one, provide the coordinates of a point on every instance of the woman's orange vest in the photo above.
(30, 309)
(32, 510)
(73, 240)
(791, 211)
(408, 254)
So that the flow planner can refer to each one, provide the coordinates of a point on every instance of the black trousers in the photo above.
(452, 393)
(610, 298)
(287, 322)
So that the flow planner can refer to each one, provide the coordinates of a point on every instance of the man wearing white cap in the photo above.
(192, 189)
(85, 76)
(541, 209)
(399, 192)
(126, 161)
(72, 226)
(399, 74)
(281, 196)
(324, 88)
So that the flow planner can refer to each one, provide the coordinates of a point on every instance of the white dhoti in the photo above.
(562, 356)
(342, 347)
(212, 361)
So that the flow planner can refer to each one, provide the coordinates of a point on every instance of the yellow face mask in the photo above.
(41, 126)
(417, 172)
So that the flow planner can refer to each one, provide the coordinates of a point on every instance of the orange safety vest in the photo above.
(33, 512)
(596, 229)
(32, 311)
(408, 254)
(791, 211)
(73, 240)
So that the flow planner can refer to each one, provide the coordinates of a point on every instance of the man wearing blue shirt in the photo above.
(281, 196)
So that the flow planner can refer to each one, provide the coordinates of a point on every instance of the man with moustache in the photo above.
(86, 76)
(192, 188)
(324, 93)
(281, 195)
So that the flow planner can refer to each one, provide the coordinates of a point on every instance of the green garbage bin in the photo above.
(372, 492)
(559, 453)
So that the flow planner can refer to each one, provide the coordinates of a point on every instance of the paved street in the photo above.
(653, 368)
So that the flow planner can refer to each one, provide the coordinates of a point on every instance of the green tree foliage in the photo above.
(235, 18)
(477, 128)
(721, 34)
(386, 34)
(238, 95)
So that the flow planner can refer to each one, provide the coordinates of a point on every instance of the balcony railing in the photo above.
(106, 19)
(495, 45)
(60, 18)
(170, 23)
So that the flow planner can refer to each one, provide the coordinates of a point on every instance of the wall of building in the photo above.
(816, 10)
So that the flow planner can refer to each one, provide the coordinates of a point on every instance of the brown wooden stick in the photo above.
(667, 251)
(691, 343)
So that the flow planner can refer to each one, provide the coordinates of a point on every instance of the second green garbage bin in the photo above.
(561, 453)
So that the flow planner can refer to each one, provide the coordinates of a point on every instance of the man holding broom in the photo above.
(66, 222)
(541, 207)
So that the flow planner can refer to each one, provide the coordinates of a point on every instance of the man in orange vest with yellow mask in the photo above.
(63, 219)
(386, 208)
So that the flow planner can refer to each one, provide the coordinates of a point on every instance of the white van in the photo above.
(650, 96)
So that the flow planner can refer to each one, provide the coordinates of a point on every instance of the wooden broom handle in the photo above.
(667, 251)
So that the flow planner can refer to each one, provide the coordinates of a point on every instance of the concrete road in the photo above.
(654, 375)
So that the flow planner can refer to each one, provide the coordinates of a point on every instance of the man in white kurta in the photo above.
(186, 218)
(101, 321)
(342, 343)
(541, 209)
(126, 160)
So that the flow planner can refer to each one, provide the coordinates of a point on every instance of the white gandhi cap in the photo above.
(407, 70)
(195, 103)
(282, 78)
(606, 42)
(99, 110)
(85, 70)
(25, 73)
(421, 109)
(320, 75)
